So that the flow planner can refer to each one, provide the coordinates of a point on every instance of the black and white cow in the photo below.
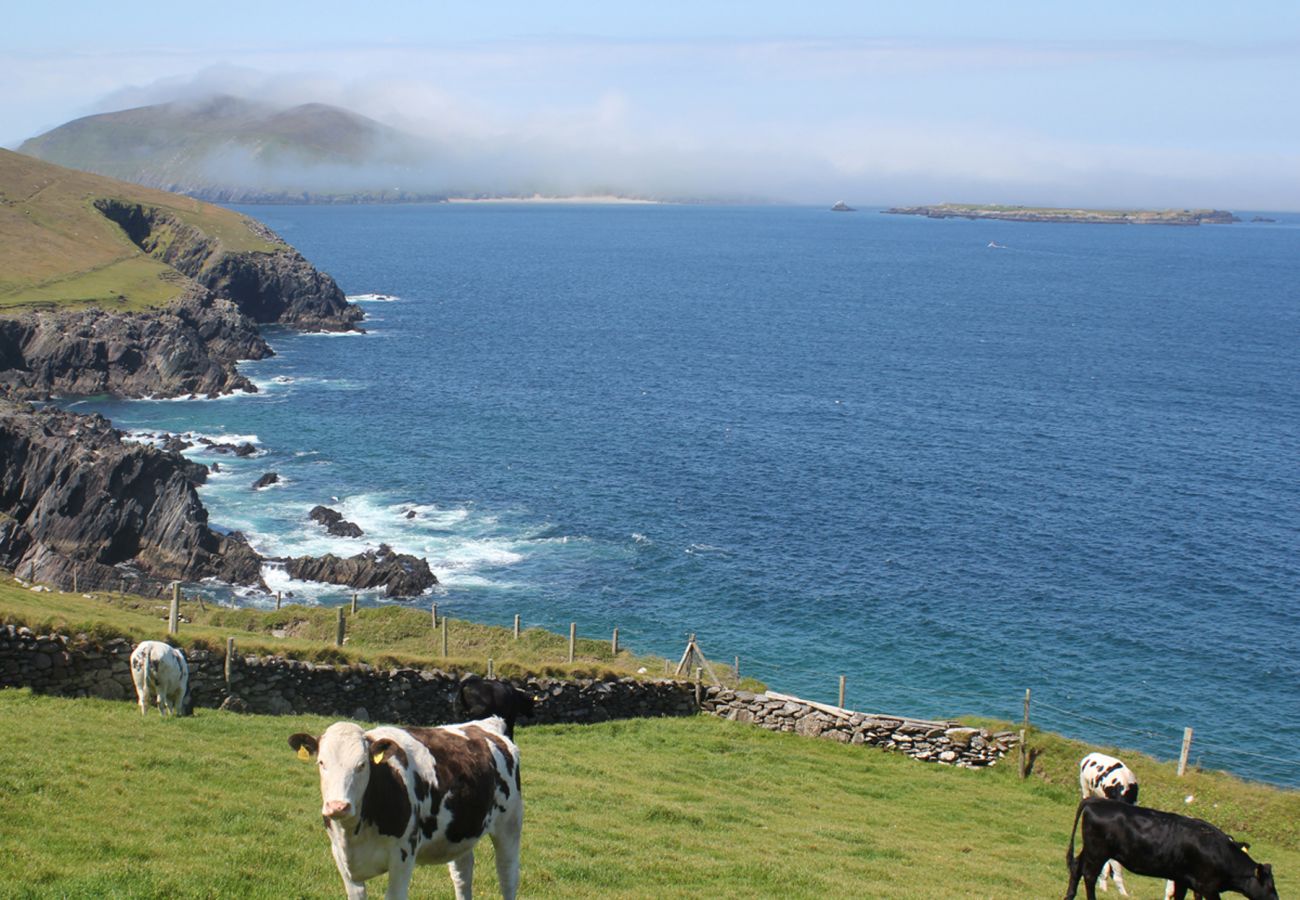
(1105, 776)
(480, 698)
(393, 798)
(160, 670)
(1190, 853)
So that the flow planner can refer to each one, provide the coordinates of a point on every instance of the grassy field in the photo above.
(58, 250)
(95, 801)
(385, 636)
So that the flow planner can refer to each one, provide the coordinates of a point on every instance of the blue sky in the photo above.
(1180, 104)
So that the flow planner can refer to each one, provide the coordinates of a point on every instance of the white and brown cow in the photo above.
(394, 798)
(1106, 777)
(160, 670)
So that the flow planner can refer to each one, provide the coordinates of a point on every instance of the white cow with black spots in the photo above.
(394, 798)
(1106, 777)
(160, 670)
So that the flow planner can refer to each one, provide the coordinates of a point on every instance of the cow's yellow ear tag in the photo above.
(378, 757)
(303, 754)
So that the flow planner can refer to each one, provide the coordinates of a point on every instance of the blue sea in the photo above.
(827, 444)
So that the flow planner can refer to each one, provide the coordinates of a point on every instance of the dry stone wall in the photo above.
(949, 743)
(85, 667)
(81, 667)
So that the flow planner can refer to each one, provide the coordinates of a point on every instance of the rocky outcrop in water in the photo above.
(400, 574)
(334, 522)
(189, 348)
(76, 498)
(266, 481)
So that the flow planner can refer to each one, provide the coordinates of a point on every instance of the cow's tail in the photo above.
(1069, 853)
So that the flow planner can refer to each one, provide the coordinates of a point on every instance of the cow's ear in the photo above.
(385, 749)
(305, 744)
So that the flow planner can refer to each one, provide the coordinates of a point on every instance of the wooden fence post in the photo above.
(573, 638)
(841, 692)
(279, 596)
(491, 669)
(230, 658)
(1187, 746)
(342, 627)
(737, 670)
(354, 603)
(699, 685)
(1024, 736)
(434, 611)
(444, 637)
(74, 581)
(174, 609)
(613, 643)
(516, 626)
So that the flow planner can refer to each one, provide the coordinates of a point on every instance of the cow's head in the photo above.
(524, 702)
(346, 759)
(1261, 886)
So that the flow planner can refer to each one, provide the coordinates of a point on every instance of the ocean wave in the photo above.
(373, 298)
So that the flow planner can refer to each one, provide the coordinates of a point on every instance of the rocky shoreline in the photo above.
(79, 505)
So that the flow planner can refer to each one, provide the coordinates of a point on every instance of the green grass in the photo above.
(95, 801)
(385, 636)
(58, 250)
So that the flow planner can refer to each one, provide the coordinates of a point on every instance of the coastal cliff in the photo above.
(187, 349)
(108, 288)
(76, 498)
(269, 287)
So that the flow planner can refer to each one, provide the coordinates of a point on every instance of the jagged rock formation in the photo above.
(189, 348)
(334, 522)
(76, 498)
(400, 574)
(266, 480)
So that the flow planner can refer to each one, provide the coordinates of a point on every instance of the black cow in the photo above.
(480, 698)
(1190, 853)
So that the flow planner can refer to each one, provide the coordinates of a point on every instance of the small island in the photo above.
(1084, 216)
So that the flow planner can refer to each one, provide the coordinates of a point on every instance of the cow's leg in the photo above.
(141, 690)
(462, 875)
(506, 841)
(1116, 872)
(399, 877)
(1091, 870)
(356, 890)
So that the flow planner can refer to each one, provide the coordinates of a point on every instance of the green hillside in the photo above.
(226, 145)
(96, 802)
(58, 249)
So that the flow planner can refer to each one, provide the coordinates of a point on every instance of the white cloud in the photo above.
(871, 121)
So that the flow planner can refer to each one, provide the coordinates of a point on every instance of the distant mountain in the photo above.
(231, 149)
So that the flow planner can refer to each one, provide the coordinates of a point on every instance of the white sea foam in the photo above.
(373, 298)
(707, 548)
